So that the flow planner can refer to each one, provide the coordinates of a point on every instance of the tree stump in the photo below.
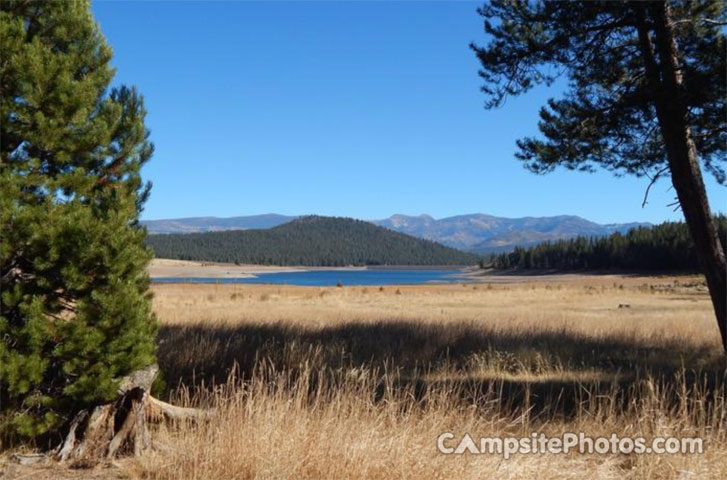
(121, 427)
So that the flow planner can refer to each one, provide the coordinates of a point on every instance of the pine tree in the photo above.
(665, 247)
(75, 311)
(646, 95)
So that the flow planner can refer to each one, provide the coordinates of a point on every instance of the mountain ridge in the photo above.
(309, 241)
(215, 224)
(482, 233)
(475, 232)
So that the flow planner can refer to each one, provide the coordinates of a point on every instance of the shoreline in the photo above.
(169, 268)
(182, 269)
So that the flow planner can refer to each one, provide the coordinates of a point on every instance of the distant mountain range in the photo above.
(482, 233)
(310, 241)
(215, 224)
(477, 232)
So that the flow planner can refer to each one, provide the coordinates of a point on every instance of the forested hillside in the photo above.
(664, 247)
(310, 241)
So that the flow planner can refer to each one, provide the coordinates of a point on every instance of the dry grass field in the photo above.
(358, 382)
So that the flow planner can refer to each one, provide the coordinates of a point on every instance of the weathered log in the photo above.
(158, 407)
(29, 458)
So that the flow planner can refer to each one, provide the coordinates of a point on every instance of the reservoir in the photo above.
(332, 277)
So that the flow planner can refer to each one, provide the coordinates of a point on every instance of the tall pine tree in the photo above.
(646, 96)
(75, 309)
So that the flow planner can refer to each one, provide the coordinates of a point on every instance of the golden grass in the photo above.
(358, 382)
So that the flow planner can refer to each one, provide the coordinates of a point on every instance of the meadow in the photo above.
(358, 382)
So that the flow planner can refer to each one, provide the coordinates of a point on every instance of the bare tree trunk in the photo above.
(666, 83)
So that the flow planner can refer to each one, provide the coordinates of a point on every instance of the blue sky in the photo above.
(360, 109)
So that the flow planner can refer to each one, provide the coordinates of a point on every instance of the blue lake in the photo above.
(323, 278)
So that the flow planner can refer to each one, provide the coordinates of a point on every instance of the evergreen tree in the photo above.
(646, 95)
(665, 247)
(75, 310)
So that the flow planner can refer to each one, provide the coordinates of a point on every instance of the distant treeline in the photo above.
(663, 247)
(310, 241)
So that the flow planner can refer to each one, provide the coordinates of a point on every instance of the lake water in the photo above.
(323, 278)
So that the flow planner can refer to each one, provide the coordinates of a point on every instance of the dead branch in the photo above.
(179, 413)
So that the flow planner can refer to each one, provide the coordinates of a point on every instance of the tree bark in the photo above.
(110, 428)
(121, 426)
(665, 81)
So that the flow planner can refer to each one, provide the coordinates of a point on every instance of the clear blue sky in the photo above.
(360, 109)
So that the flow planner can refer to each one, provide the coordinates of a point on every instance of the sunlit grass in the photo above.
(358, 382)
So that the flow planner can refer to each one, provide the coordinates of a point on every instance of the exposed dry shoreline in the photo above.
(166, 268)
